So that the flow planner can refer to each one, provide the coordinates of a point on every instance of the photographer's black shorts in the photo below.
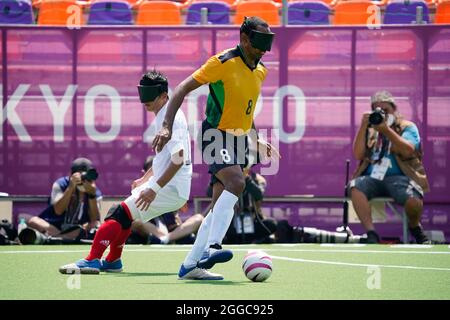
(221, 149)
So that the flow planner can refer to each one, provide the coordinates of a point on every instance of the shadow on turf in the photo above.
(216, 282)
(158, 274)
(196, 282)
(144, 274)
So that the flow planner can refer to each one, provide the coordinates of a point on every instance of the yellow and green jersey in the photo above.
(234, 88)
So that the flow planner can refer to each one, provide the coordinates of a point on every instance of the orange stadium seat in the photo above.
(158, 13)
(229, 2)
(352, 12)
(82, 3)
(58, 12)
(442, 13)
(266, 10)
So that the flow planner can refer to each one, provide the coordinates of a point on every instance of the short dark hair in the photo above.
(80, 165)
(154, 77)
(252, 23)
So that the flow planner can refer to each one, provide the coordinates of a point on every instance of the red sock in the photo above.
(105, 235)
(116, 247)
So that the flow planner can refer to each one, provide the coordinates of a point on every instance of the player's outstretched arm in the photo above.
(163, 136)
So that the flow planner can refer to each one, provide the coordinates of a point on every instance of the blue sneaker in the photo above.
(196, 273)
(215, 254)
(115, 266)
(82, 266)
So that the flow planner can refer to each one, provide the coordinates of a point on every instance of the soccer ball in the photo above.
(257, 266)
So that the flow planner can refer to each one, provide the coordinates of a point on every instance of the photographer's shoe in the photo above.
(82, 266)
(115, 266)
(215, 254)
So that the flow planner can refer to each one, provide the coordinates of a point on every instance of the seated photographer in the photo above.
(390, 155)
(74, 204)
(167, 228)
(249, 217)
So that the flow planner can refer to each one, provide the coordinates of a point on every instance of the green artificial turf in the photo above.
(300, 271)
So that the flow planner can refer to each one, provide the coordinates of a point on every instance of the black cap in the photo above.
(81, 165)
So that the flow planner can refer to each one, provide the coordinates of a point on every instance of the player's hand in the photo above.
(136, 183)
(267, 150)
(162, 137)
(146, 197)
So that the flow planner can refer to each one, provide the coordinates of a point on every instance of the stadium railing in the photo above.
(320, 199)
(7, 203)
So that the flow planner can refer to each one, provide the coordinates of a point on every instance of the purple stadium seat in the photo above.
(218, 13)
(308, 13)
(404, 12)
(110, 13)
(16, 12)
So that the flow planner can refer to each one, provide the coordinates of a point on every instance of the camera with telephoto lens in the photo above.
(89, 175)
(377, 116)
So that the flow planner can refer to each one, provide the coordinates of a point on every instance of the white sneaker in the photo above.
(81, 267)
(196, 273)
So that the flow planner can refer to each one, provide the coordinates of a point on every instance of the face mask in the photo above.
(150, 93)
(390, 120)
(261, 40)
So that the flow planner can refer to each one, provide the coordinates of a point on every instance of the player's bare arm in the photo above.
(163, 136)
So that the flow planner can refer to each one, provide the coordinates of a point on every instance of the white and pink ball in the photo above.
(257, 266)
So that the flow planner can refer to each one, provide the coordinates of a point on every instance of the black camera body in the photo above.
(377, 116)
(89, 175)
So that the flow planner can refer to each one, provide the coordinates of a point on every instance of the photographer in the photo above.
(390, 155)
(249, 224)
(74, 204)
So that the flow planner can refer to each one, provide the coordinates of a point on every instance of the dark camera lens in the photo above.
(89, 175)
(376, 117)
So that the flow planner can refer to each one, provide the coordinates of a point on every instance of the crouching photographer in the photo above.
(73, 213)
(249, 225)
(389, 150)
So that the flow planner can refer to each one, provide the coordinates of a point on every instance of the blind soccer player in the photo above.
(165, 187)
(235, 77)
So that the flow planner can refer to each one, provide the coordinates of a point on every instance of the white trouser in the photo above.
(166, 200)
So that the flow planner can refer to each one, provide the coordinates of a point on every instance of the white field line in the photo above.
(359, 264)
(165, 249)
